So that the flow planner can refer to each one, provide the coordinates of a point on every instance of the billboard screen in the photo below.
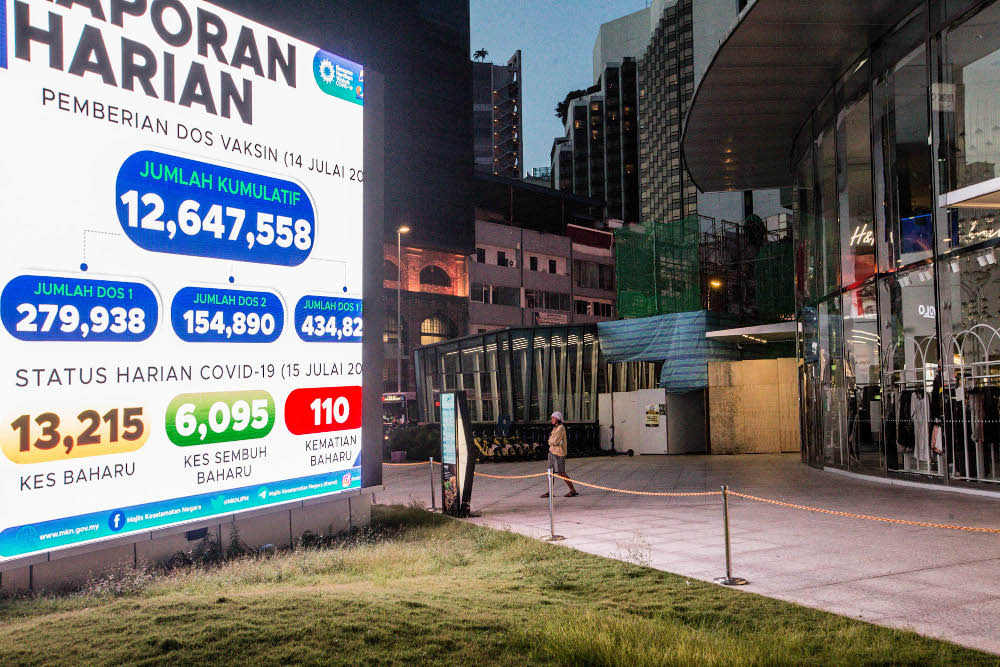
(181, 203)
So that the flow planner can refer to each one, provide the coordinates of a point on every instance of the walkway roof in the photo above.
(762, 333)
(772, 70)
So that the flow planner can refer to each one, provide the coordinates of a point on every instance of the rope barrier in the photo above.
(746, 496)
(852, 515)
(482, 474)
(477, 474)
(640, 493)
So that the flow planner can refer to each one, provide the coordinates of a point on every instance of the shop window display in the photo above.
(971, 329)
(832, 383)
(911, 398)
(966, 98)
(862, 379)
(897, 204)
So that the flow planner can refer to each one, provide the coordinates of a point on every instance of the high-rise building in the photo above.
(599, 155)
(496, 117)
(622, 135)
(666, 84)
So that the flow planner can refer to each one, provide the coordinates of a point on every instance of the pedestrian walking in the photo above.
(558, 449)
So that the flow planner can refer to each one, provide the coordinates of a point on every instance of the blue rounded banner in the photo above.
(49, 308)
(176, 205)
(328, 319)
(209, 315)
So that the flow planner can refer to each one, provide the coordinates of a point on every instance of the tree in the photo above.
(480, 55)
(562, 108)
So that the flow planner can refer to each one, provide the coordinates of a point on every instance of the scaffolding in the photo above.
(724, 271)
(747, 269)
(656, 268)
(774, 273)
(700, 263)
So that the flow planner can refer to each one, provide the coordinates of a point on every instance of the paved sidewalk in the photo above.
(940, 583)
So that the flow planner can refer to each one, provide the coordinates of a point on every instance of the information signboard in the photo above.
(458, 459)
(181, 271)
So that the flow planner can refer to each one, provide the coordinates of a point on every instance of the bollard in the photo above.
(552, 523)
(433, 508)
(729, 579)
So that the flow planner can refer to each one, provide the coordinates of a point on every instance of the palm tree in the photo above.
(480, 55)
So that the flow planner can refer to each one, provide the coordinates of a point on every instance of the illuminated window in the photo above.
(434, 275)
(433, 330)
(390, 332)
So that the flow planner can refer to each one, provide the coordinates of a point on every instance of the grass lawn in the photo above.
(424, 589)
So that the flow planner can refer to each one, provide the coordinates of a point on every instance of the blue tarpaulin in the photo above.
(677, 339)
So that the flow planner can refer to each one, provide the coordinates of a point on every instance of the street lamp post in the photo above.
(715, 283)
(399, 326)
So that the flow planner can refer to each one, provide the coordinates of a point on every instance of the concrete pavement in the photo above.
(941, 583)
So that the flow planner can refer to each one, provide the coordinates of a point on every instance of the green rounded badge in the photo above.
(224, 416)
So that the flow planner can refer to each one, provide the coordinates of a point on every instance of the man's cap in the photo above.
(557, 415)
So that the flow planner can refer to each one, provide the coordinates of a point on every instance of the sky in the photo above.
(556, 38)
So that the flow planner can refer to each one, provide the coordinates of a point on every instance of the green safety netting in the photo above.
(774, 276)
(656, 268)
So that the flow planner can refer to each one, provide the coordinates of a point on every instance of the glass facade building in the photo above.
(897, 201)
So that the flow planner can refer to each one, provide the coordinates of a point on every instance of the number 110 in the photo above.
(327, 411)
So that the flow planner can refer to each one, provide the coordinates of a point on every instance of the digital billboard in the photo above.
(181, 202)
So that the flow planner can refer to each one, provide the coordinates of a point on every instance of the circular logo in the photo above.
(116, 521)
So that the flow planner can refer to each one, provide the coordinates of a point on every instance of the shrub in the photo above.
(118, 581)
(419, 442)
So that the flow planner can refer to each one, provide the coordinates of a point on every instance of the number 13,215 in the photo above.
(125, 424)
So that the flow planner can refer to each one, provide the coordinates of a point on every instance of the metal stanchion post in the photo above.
(552, 523)
(431, 464)
(729, 579)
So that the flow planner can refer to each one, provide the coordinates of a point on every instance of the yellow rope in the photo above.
(482, 474)
(639, 493)
(865, 516)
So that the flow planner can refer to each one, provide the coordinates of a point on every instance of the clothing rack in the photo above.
(971, 375)
(919, 376)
